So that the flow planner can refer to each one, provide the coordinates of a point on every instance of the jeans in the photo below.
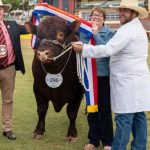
(127, 123)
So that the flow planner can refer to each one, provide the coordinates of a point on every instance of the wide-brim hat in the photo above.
(133, 5)
(6, 7)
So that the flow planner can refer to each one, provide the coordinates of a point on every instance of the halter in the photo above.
(65, 49)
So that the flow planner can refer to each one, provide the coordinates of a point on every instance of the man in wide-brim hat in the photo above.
(129, 75)
(10, 61)
(132, 5)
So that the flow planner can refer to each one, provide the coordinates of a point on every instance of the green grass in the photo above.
(25, 118)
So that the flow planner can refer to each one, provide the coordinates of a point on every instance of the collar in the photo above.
(103, 29)
(135, 20)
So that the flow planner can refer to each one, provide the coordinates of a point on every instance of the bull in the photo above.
(54, 73)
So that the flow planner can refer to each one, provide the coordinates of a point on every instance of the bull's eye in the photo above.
(60, 36)
(46, 53)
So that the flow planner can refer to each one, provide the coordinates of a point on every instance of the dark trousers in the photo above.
(100, 123)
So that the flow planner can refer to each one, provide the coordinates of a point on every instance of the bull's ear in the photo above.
(74, 27)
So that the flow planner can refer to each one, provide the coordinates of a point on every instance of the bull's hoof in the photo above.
(71, 139)
(37, 136)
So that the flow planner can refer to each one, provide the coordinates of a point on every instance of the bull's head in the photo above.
(54, 36)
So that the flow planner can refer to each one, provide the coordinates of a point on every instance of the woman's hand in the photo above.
(97, 27)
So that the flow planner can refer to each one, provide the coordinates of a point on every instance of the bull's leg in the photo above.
(42, 107)
(72, 110)
(42, 111)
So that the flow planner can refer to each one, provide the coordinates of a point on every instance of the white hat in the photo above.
(6, 7)
(133, 5)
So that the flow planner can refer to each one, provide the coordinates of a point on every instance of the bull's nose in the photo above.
(43, 55)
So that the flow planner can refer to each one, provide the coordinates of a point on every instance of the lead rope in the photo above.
(56, 57)
(63, 67)
(81, 67)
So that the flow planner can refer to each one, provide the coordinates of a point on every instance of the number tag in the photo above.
(53, 80)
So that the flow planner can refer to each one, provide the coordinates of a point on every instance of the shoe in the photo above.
(89, 147)
(107, 148)
(9, 135)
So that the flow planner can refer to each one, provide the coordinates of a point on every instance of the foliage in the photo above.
(18, 4)
(14, 3)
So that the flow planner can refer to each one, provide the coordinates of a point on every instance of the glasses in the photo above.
(97, 15)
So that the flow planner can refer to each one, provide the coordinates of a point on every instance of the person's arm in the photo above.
(28, 28)
(116, 44)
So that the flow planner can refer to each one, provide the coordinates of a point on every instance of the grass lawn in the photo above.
(25, 117)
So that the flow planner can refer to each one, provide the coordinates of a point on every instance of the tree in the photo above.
(18, 4)
(14, 3)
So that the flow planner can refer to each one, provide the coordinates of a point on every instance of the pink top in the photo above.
(11, 54)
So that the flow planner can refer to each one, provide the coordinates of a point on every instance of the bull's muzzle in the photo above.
(43, 55)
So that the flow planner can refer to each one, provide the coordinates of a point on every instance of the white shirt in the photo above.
(129, 72)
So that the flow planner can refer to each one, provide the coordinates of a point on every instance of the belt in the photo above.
(4, 67)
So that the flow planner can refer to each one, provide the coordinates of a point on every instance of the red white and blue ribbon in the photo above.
(88, 72)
